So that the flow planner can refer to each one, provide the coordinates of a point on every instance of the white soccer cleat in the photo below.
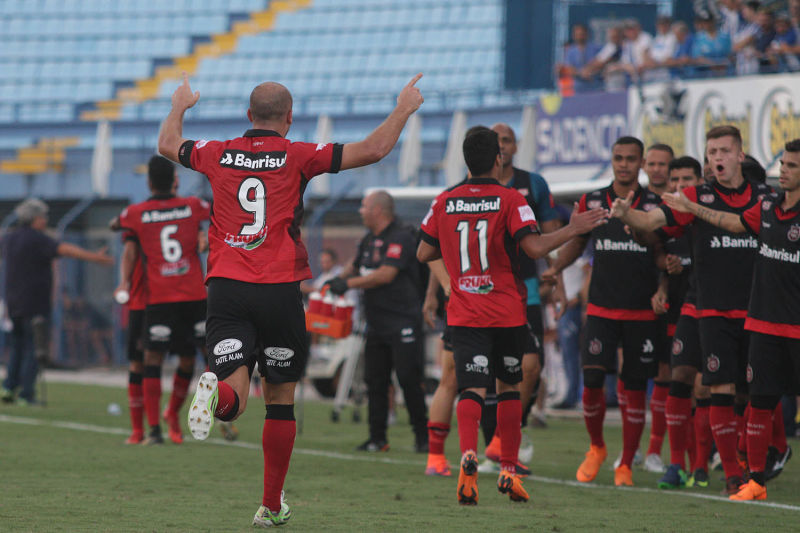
(266, 518)
(525, 449)
(204, 403)
(637, 459)
(653, 463)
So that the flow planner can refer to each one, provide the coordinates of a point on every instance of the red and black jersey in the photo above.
(166, 228)
(775, 295)
(138, 288)
(477, 226)
(258, 182)
(723, 260)
(624, 274)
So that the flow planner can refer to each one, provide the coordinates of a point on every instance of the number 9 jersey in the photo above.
(166, 228)
(477, 225)
(258, 182)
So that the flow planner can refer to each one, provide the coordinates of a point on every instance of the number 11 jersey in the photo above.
(258, 182)
(477, 225)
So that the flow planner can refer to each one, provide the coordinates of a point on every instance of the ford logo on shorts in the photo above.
(279, 354)
(227, 346)
(481, 360)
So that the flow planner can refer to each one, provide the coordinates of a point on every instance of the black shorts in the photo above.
(260, 323)
(725, 343)
(447, 338)
(173, 325)
(686, 350)
(662, 341)
(638, 340)
(135, 335)
(535, 338)
(482, 354)
(774, 365)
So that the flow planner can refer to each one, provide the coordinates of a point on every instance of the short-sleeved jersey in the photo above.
(258, 182)
(723, 260)
(396, 305)
(624, 274)
(537, 193)
(166, 228)
(138, 287)
(775, 294)
(477, 226)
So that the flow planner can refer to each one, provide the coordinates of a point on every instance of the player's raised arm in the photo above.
(640, 220)
(381, 141)
(170, 138)
(579, 224)
(728, 221)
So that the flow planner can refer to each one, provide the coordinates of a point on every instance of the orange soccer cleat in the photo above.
(511, 484)
(750, 491)
(623, 476)
(591, 465)
(437, 465)
(468, 479)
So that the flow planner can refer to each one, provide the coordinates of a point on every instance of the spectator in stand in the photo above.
(606, 61)
(794, 14)
(743, 41)
(783, 50)
(636, 47)
(682, 57)
(730, 12)
(710, 48)
(577, 55)
(663, 48)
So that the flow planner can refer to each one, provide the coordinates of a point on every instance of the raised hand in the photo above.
(410, 98)
(676, 201)
(588, 220)
(621, 206)
(183, 98)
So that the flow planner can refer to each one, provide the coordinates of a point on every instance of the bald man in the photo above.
(257, 260)
(387, 269)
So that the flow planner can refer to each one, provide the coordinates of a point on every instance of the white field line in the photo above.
(387, 460)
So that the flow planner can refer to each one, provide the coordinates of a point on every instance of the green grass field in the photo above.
(64, 468)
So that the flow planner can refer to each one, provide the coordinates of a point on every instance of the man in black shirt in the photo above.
(387, 270)
(29, 255)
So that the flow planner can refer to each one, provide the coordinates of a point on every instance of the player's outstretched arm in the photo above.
(170, 138)
(537, 246)
(727, 221)
(381, 141)
(66, 249)
(636, 219)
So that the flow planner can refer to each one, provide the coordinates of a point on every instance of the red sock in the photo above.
(778, 429)
(723, 427)
(759, 433)
(277, 441)
(227, 400)
(678, 413)
(703, 437)
(509, 412)
(437, 433)
(658, 424)
(594, 412)
(151, 385)
(180, 387)
(468, 414)
(621, 399)
(741, 425)
(136, 406)
(691, 441)
(632, 425)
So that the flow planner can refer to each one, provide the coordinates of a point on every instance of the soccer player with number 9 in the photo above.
(257, 260)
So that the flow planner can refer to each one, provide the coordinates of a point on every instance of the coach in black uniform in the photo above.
(388, 272)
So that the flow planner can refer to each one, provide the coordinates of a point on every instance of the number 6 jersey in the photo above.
(258, 182)
(166, 228)
(477, 226)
